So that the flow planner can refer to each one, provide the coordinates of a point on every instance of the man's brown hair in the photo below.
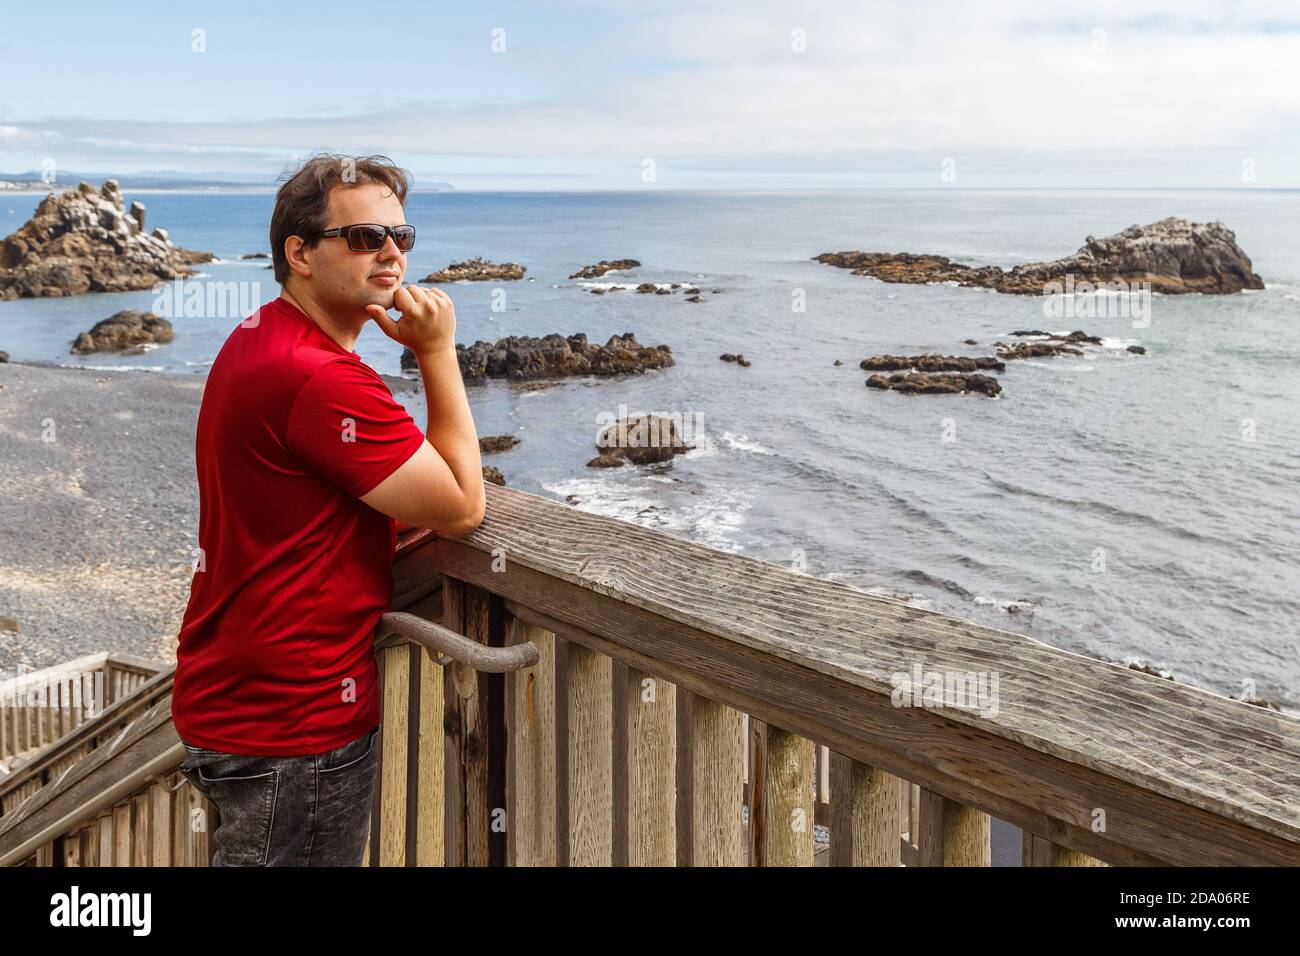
(302, 201)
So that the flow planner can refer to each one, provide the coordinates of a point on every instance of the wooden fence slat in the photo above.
(395, 668)
(651, 746)
(788, 799)
(866, 814)
(160, 824)
(591, 758)
(430, 845)
(954, 834)
(717, 784)
(1037, 851)
(531, 698)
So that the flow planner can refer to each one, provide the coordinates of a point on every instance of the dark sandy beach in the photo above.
(98, 512)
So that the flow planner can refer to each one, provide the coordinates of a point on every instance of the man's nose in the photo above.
(390, 250)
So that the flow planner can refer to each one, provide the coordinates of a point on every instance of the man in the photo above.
(306, 466)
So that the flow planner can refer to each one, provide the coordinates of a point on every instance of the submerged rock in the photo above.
(84, 240)
(493, 475)
(1173, 255)
(603, 266)
(125, 330)
(1052, 346)
(490, 444)
(477, 270)
(1024, 350)
(924, 382)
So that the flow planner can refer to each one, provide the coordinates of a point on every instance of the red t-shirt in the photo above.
(276, 655)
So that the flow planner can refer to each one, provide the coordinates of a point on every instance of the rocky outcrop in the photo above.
(641, 440)
(738, 358)
(84, 240)
(908, 268)
(1173, 255)
(603, 266)
(478, 270)
(520, 358)
(1026, 350)
(126, 331)
(931, 363)
(493, 475)
(1051, 346)
(923, 382)
(490, 444)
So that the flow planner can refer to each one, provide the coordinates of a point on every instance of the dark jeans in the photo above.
(289, 811)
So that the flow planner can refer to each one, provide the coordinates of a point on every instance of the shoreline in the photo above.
(98, 512)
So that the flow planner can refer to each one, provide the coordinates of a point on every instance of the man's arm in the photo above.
(441, 486)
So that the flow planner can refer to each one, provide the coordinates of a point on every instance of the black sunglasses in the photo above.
(370, 236)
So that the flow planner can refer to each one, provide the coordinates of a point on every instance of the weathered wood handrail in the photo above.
(1090, 756)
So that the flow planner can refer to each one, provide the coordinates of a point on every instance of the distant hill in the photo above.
(163, 179)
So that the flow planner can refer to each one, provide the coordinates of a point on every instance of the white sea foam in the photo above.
(1006, 607)
(712, 518)
(118, 368)
(745, 443)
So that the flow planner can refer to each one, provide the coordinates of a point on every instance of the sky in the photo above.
(743, 94)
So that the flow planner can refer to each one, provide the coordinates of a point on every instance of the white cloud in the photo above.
(880, 78)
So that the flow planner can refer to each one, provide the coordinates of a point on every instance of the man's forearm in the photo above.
(451, 426)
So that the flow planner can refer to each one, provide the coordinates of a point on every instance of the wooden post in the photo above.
(591, 758)
(864, 814)
(160, 824)
(651, 735)
(430, 767)
(475, 725)
(786, 827)
(717, 784)
(531, 714)
(952, 834)
(1036, 851)
(395, 671)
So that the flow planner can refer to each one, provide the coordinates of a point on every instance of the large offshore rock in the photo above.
(1173, 255)
(122, 331)
(84, 240)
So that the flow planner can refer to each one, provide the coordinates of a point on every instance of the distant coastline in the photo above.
(31, 181)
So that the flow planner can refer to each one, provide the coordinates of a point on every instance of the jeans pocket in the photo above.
(345, 794)
(246, 803)
(350, 754)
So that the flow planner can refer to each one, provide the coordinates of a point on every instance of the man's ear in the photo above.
(296, 254)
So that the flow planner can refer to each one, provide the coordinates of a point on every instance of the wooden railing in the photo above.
(687, 706)
(39, 707)
(109, 793)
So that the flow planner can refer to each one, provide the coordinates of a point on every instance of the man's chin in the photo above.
(380, 297)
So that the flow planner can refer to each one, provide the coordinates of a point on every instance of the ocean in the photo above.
(1127, 507)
